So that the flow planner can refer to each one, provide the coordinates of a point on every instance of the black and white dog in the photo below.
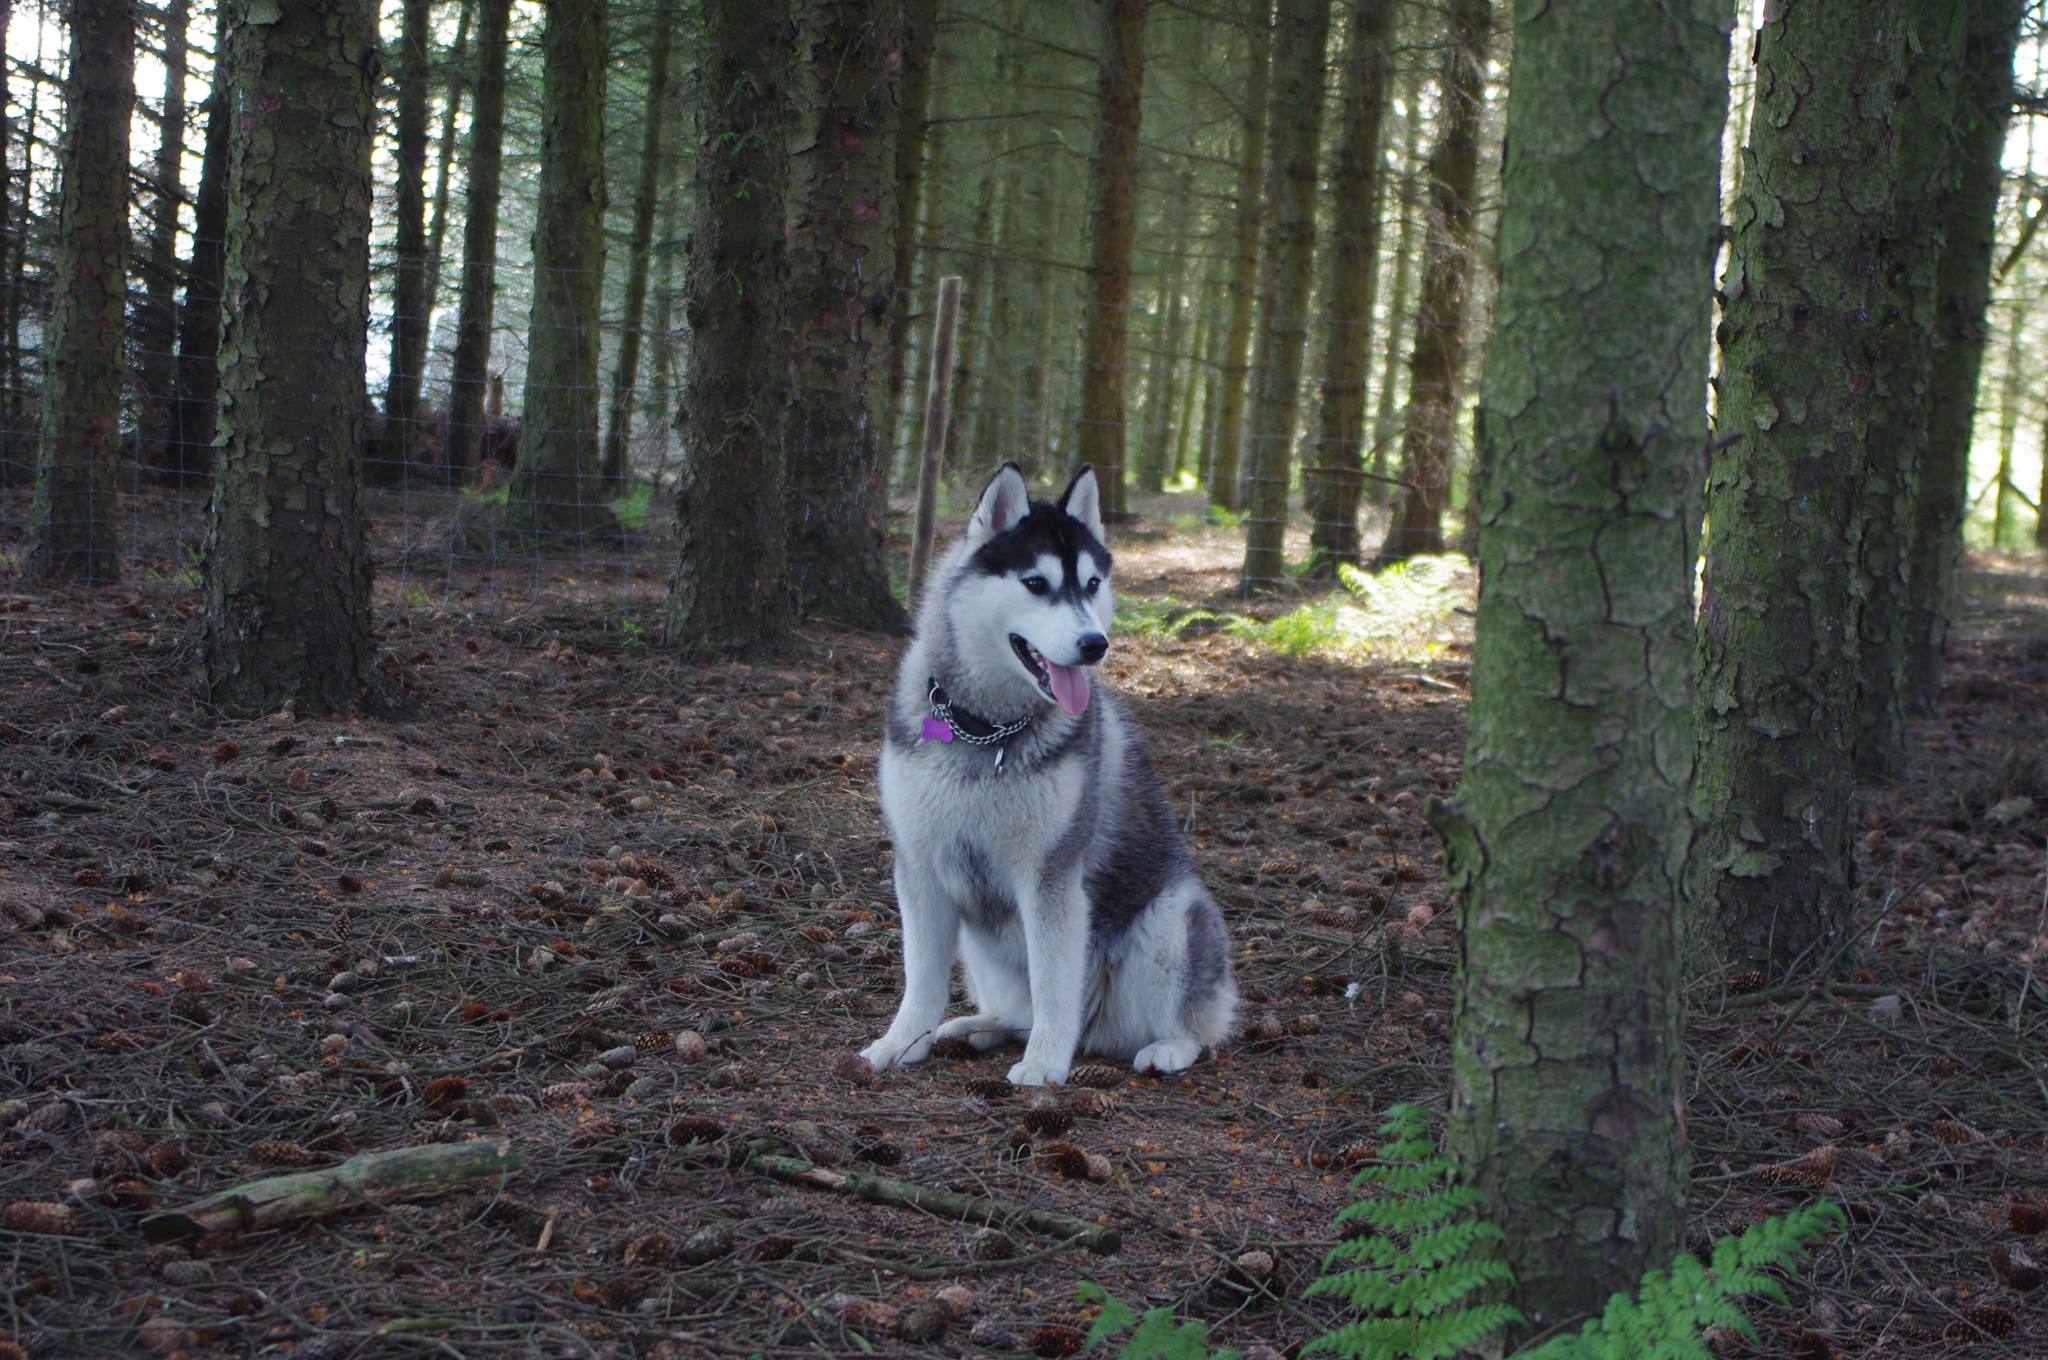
(1032, 837)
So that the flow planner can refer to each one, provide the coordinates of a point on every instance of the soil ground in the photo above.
(235, 945)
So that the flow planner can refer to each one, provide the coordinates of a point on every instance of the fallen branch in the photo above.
(1801, 991)
(966, 1208)
(395, 1177)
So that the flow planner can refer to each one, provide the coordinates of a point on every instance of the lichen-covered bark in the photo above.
(469, 377)
(556, 495)
(410, 304)
(1429, 436)
(842, 289)
(1297, 120)
(730, 589)
(1567, 838)
(1334, 483)
(287, 568)
(1112, 222)
(1777, 651)
(646, 199)
(153, 329)
(199, 318)
(74, 535)
(1244, 260)
(1896, 443)
(1962, 289)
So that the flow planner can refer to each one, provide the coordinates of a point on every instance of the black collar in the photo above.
(971, 728)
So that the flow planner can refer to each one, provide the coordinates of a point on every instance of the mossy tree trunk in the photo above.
(556, 496)
(199, 318)
(1777, 672)
(410, 303)
(1224, 462)
(639, 252)
(1112, 224)
(154, 327)
(730, 590)
(843, 287)
(1962, 291)
(287, 566)
(1429, 436)
(1896, 444)
(1296, 118)
(469, 379)
(1567, 838)
(1334, 486)
(74, 534)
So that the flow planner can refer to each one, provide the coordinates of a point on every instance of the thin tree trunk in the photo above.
(997, 405)
(975, 303)
(660, 396)
(1112, 223)
(646, 198)
(1963, 288)
(155, 325)
(1169, 334)
(1776, 670)
(1244, 272)
(1296, 116)
(843, 287)
(730, 589)
(2009, 397)
(1567, 837)
(920, 54)
(1186, 429)
(556, 496)
(10, 303)
(287, 566)
(410, 307)
(931, 230)
(73, 522)
(1333, 488)
(1430, 436)
(1212, 397)
(1386, 423)
(469, 382)
(451, 114)
(199, 320)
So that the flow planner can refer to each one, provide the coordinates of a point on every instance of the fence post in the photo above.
(938, 411)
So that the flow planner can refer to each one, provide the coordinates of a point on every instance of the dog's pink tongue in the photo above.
(1070, 687)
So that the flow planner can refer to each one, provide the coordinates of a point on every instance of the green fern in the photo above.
(1156, 1336)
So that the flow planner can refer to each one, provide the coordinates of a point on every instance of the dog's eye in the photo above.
(1094, 584)
(1036, 585)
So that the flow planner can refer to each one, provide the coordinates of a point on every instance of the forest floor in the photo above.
(632, 913)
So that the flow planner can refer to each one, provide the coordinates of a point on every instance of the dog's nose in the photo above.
(1092, 646)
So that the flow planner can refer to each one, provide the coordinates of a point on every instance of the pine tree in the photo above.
(639, 253)
(1225, 463)
(410, 301)
(154, 326)
(1112, 225)
(199, 318)
(469, 379)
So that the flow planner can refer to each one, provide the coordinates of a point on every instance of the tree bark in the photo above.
(843, 288)
(1430, 435)
(975, 305)
(1333, 488)
(10, 289)
(1386, 423)
(646, 198)
(73, 521)
(2009, 397)
(469, 382)
(1112, 224)
(1962, 290)
(199, 320)
(1244, 270)
(155, 325)
(451, 114)
(287, 566)
(1296, 118)
(730, 590)
(1168, 335)
(410, 305)
(914, 97)
(1777, 669)
(1567, 839)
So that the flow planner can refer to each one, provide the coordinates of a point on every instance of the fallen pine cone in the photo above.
(1044, 1122)
(1988, 1318)
(1065, 1159)
(1100, 1076)
(650, 1250)
(166, 1159)
(1056, 1340)
(653, 1041)
(1955, 1131)
(444, 1093)
(2015, 1267)
(1090, 1103)
(871, 1315)
(2027, 1216)
(36, 1216)
(952, 1048)
(990, 1088)
(282, 1152)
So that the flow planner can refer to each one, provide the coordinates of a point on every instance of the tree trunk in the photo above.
(155, 325)
(1897, 442)
(1193, 394)
(410, 307)
(646, 198)
(1112, 223)
(1168, 335)
(74, 529)
(556, 495)
(1386, 421)
(199, 320)
(10, 303)
(1777, 672)
(843, 288)
(469, 380)
(996, 410)
(1333, 489)
(917, 283)
(1568, 835)
(1430, 435)
(1244, 268)
(920, 53)
(730, 590)
(451, 114)
(2009, 397)
(287, 566)
(1962, 289)
(975, 303)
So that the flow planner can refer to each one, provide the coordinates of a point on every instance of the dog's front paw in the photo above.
(1032, 1072)
(890, 1051)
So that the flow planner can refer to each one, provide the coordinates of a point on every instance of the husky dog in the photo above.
(1032, 836)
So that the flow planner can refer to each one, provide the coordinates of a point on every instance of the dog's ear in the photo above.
(1083, 500)
(1004, 501)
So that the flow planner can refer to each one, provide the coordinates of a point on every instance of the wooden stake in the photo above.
(938, 412)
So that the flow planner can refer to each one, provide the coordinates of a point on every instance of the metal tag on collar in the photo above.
(1001, 751)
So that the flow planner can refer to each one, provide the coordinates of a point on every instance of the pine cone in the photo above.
(282, 1152)
(990, 1088)
(653, 1041)
(1064, 1159)
(36, 1216)
(1101, 1076)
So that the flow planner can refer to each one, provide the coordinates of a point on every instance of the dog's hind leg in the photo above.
(931, 934)
(1056, 947)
